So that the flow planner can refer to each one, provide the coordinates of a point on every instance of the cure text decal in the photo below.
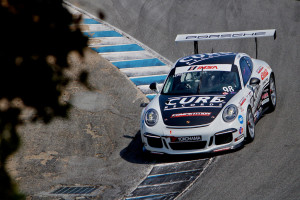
(194, 101)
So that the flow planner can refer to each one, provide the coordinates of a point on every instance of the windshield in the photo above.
(202, 82)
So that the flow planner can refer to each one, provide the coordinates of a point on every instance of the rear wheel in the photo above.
(272, 93)
(250, 127)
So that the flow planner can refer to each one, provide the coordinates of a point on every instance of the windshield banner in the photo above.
(195, 68)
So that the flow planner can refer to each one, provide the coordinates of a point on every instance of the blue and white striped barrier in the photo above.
(138, 62)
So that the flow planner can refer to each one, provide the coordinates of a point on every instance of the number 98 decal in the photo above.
(228, 89)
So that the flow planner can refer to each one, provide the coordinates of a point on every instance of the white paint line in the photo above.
(94, 27)
(146, 71)
(110, 45)
(162, 184)
(177, 172)
(125, 56)
(72, 10)
(180, 162)
(96, 42)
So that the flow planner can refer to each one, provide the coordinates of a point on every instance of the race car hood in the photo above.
(191, 110)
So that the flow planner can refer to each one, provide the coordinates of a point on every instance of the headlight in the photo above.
(230, 113)
(151, 117)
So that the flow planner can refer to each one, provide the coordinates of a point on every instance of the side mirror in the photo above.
(254, 81)
(143, 105)
(153, 86)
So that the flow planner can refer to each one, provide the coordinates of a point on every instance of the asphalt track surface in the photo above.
(268, 168)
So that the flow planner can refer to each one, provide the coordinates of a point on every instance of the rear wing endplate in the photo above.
(224, 36)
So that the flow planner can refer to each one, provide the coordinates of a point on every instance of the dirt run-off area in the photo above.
(90, 147)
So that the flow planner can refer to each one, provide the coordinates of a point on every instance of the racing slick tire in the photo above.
(250, 127)
(272, 93)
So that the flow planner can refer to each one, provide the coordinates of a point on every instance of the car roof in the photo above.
(207, 58)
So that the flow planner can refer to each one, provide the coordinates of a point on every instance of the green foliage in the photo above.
(36, 38)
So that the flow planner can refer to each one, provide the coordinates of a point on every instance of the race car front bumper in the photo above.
(190, 144)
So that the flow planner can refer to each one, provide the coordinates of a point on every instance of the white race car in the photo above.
(209, 102)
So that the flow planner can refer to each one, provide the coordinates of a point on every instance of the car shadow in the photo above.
(134, 153)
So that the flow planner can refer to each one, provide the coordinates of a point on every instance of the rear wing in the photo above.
(224, 36)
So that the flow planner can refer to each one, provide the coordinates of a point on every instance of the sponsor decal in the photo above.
(190, 60)
(242, 101)
(193, 114)
(238, 138)
(225, 35)
(241, 108)
(265, 101)
(222, 149)
(241, 119)
(186, 139)
(264, 74)
(241, 130)
(257, 114)
(265, 95)
(266, 81)
(197, 68)
(194, 102)
(259, 69)
(190, 138)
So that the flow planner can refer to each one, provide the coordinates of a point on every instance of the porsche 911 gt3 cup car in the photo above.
(208, 103)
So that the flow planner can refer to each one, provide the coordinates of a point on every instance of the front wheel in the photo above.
(250, 127)
(272, 93)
